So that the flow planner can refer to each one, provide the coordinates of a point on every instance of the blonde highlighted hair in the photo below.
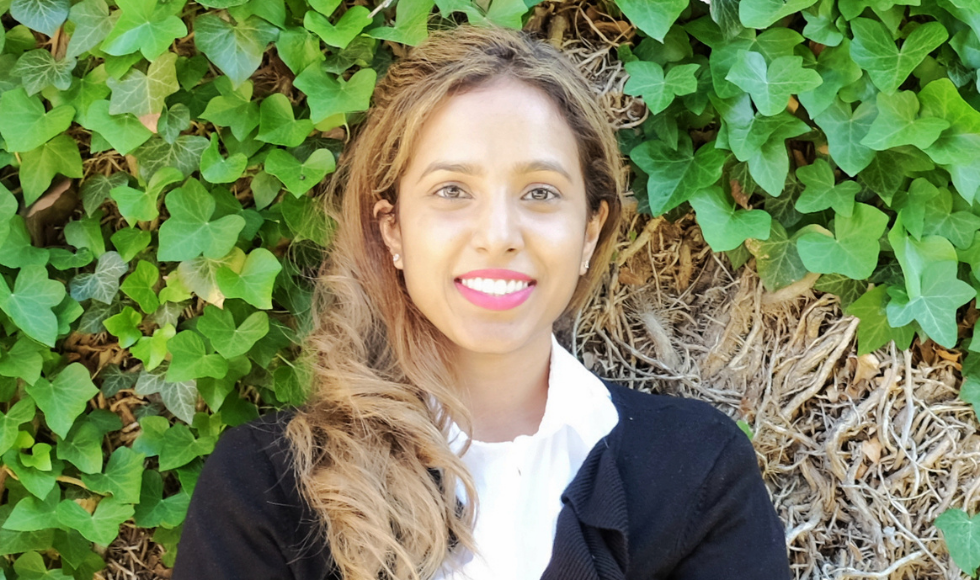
(370, 453)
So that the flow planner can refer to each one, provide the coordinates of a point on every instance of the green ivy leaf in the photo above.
(8, 208)
(934, 306)
(139, 286)
(958, 147)
(723, 225)
(129, 242)
(821, 191)
(92, 25)
(30, 566)
(845, 129)
(411, 20)
(776, 259)
(102, 527)
(153, 349)
(86, 233)
(938, 217)
(83, 446)
(147, 26)
(962, 535)
(44, 16)
(179, 397)
(674, 175)
(820, 27)
(142, 93)
(760, 140)
(216, 391)
(852, 250)
(647, 79)
(970, 391)
(838, 70)
(125, 326)
(230, 341)
(21, 412)
(39, 70)
(23, 360)
(124, 132)
(122, 478)
(887, 65)
(25, 125)
(296, 176)
(36, 481)
(184, 154)
(135, 205)
(64, 399)
(235, 49)
(353, 21)
(265, 189)
(16, 250)
(234, 108)
(897, 123)
(217, 169)
(771, 85)
(30, 303)
(39, 166)
(254, 282)
(173, 120)
(874, 331)
(179, 447)
(102, 284)
(95, 190)
(277, 124)
(763, 13)
(329, 96)
(191, 361)
(115, 379)
(199, 275)
(31, 513)
(190, 232)
(155, 510)
(653, 18)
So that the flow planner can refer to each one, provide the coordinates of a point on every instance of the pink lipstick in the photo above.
(488, 288)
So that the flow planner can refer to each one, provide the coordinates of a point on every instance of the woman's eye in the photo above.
(542, 194)
(450, 192)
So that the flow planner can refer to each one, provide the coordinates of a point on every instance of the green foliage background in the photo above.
(158, 226)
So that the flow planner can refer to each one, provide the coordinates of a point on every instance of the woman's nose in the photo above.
(498, 230)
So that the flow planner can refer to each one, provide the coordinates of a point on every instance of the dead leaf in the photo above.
(868, 366)
(150, 121)
(872, 449)
(739, 194)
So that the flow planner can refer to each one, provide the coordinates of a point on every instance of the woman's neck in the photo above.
(506, 394)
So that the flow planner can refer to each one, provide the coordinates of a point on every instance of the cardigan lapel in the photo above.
(591, 537)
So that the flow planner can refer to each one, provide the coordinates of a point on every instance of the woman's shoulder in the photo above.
(659, 420)
(247, 518)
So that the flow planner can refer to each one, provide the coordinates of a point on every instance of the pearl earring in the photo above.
(586, 264)
(395, 257)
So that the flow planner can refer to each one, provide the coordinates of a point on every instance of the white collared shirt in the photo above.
(520, 482)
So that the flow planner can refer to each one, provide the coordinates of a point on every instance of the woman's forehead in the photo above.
(507, 125)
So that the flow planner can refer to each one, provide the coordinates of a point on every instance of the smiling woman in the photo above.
(449, 435)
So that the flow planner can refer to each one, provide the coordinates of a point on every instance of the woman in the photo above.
(448, 434)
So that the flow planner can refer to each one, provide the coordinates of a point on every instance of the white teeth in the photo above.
(495, 287)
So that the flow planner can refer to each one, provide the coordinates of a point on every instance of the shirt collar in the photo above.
(574, 396)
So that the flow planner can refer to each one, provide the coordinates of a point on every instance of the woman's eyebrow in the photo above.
(474, 169)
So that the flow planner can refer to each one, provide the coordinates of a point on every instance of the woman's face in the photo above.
(492, 228)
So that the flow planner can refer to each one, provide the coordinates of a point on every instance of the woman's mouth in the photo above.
(495, 287)
(496, 290)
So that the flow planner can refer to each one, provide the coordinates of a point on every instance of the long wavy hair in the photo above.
(369, 446)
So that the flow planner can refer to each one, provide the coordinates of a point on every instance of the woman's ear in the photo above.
(592, 230)
(391, 232)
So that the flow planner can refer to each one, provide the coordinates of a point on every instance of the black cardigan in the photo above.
(672, 492)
